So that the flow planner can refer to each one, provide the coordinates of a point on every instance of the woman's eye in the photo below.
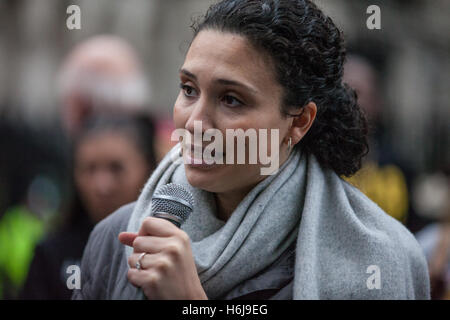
(116, 167)
(231, 101)
(188, 90)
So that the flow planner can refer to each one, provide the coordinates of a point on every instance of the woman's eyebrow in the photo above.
(189, 74)
(235, 83)
(221, 81)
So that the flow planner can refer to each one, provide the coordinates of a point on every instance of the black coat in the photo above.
(47, 276)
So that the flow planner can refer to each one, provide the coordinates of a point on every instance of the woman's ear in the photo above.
(302, 122)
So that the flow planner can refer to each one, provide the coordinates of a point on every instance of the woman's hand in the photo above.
(167, 269)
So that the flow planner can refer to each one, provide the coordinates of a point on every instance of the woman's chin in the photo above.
(208, 180)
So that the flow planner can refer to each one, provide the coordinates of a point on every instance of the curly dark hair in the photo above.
(308, 53)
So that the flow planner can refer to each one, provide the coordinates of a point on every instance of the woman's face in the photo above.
(227, 84)
(109, 172)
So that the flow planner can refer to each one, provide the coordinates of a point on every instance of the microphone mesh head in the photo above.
(173, 199)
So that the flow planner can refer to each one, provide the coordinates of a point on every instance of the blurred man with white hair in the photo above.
(101, 74)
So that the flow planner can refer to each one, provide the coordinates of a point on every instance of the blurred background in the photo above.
(124, 62)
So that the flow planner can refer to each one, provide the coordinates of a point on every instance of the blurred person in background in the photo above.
(381, 177)
(112, 158)
(432, 194)
(101, 75)
(29, 199)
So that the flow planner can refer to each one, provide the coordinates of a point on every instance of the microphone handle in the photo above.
(169, 217)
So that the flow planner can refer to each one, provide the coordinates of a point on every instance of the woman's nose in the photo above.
(104, 183)
(202, 111)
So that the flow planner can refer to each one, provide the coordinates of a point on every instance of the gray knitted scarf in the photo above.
(339, 233)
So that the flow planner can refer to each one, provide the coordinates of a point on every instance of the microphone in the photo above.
(173, 203)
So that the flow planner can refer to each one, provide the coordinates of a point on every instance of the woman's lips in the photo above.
(190, 159)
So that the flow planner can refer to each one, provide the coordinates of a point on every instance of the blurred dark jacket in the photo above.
(48, 274)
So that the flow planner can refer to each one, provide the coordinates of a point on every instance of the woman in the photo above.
(112, 158)
(300, 233)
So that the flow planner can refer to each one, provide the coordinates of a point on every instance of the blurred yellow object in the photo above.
(386, 186)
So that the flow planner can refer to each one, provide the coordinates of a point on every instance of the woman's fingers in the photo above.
(156, 235)
(140, 279)
(151, 226)
(140, 244)
(156, 261)
(127, 238)
(150, 244)
(158, 227)
(167, 269)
